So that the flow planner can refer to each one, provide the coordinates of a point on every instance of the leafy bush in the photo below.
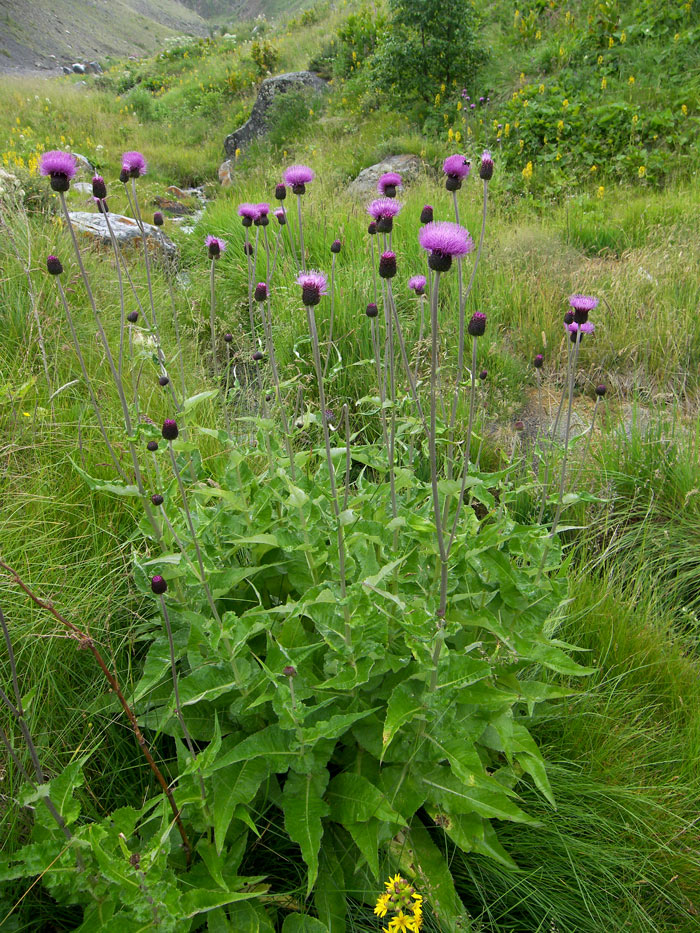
(291, 114)
(265, 55)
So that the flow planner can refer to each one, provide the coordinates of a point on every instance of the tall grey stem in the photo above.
(332, 318)
(301, 235)
(467, 448)
(212, 322)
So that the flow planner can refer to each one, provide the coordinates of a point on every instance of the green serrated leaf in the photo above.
(353, 799)
(237, 783)
(329, 894)
(304, 808)
(405, 704)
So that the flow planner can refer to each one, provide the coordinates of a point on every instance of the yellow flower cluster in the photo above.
(402, 900)
(527, 172)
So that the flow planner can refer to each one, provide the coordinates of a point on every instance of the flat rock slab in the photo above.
(409, 167)
(270, 88)
(126, 231)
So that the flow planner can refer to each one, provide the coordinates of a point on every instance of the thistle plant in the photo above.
(298, 177)
(215, 247)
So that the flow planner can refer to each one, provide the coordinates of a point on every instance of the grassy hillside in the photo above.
(620, 850)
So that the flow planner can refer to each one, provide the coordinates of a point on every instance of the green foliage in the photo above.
(292, 116)
(265, 55)
(357, 39)
(426, 46)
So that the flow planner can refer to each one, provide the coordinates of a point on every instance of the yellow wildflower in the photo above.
(641, 171)
(538, 34)
(601, 191)
(623, 37)
(600, 59)
(630, 80)
(561, 51)
(450, 134)
(459, 105)
(635, 118)
(611, 42)
(676, 37)
(527, 172)
(604, 83)
(402, 923)
(565, 103)
(594, 168)
(507, 129)
(560, 126)
(541, 88)
(458, 137)
(684, 110)
(382, 904)
(397, 879)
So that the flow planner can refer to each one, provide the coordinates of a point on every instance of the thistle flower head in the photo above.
(158, 219)
(577, 331)
(443, 240)
(54, 265)
(388, 183)
(372, 227)
(281, 216)
(261, 291)
(417, 284)
(477, 324)
(163, 381)
(158, 585)
(157, 499)
(248, 213)
(280, 191)
(483, 374)
(132, 317)
(601, 390)
(60, 168)
(336, 246)
(456, 166)
(486, 167)
(152, 446)
(384, 210)
(228, 338)
(134, 163)
(426, 215)
(262, 219)
(215, 246)
(387, 264)
(99, 188)
(583, 302)
(170, 431)
(298, 177)
(371, 310)
(313, 285)
(538, 361)
(258, 355)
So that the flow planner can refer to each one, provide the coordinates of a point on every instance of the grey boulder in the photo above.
(126, 231)
(409, 167)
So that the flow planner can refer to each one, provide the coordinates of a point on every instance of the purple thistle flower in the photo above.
(248, 213)
(581, 305)
(152, 446)
(132, 317)
(262, 220)
(336, 246)
(601, 390)
(280, 191)
(60, 167)
(157, 499)
(426, 215)
(328, 414)
(486, 167)
(170, 431)
(54, 265)
(472, 106)
(387, 265)
(477, 324)
(228, 338)
(587, 327)
(483, 374)
(464, 93)
(371, 310)
(417, 284)
(384, 210)
(261, 291)
(372, 227)
(134, 163)
(568, 317)
(99, 188)
(538, 361)
(158, 219)
(313, 285)
(298, 177)
(456, 168)
(443, 240)
(158, 585)
(215, 246)
(388, 183)
(281, 216)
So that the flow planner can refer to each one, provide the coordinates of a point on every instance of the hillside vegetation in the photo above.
(587, 773)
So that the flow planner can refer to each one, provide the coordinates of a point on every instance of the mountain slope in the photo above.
(41, 35)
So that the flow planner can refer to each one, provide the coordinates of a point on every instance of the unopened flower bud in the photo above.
(54, 266)
(600, 390)
(163, 380)
(170, 431)
(538, 361)
(426, 215)
(158, 219)
(157, 499)
(158, 585)
(387, 265)
(257, 356)
(477, 324)
(152, 446)
(261, 291)
(371, 310)
(335, 246)
(99, 188)
(280, 191)
(228, 338)
(132, 317)
(290, 671)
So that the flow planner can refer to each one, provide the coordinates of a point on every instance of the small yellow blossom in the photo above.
(623, 37)
(538, 34)
(522, 80)
(561, 51)
(558, 156)
(459, 105)
(635, 118)
(676, 37)
(521, 143)
(684, 110)
(541, 88)
(507, 129)
(238, 152)
(601, 191)
(527, 172)
(600, 59)
(565, 103)
(641, 171)
(450, 134)
(560, 126)
(604, 83)
(630, 80)
(594, 168)
(611, 42)
(382, 904)
(458, 137)
(437, 99)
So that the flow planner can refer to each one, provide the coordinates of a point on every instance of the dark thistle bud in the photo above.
(538, 361)
(335, 246)
(54, 266)
(290, 671)
(248, 249)
(268, 397)
(519, 426)
(247, 221)
(280, 191)
(157, 499)
(214, 248)
(281, 216)
(453, 182)
(170, 431)
(477, 325)
(261, 291)
(385, 225)
(158, 585)
(569, 318)
(371, 310)
(486, 167)
(132, 317)
(163, 380)
(124, 175)
(299, 188)
(158, 219)
(426, 215)
(372, 227)
(262, 220)
(152, 446)
(387, 265)
(228, 338)
(439, 261)
(483, 374)
(257, 356)
(600, 390)
(99, 188)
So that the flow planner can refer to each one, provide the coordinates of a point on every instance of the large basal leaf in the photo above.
(200, 901)
(353, 799)
(329, 894)
(207, 683)
(405, 704)
(304, 808)
(366, 838)
(421, 860)
(238, 783)
(447, 791)
(302, 923)
(271, 743)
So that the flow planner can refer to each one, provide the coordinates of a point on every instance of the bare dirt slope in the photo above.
(37, 35)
